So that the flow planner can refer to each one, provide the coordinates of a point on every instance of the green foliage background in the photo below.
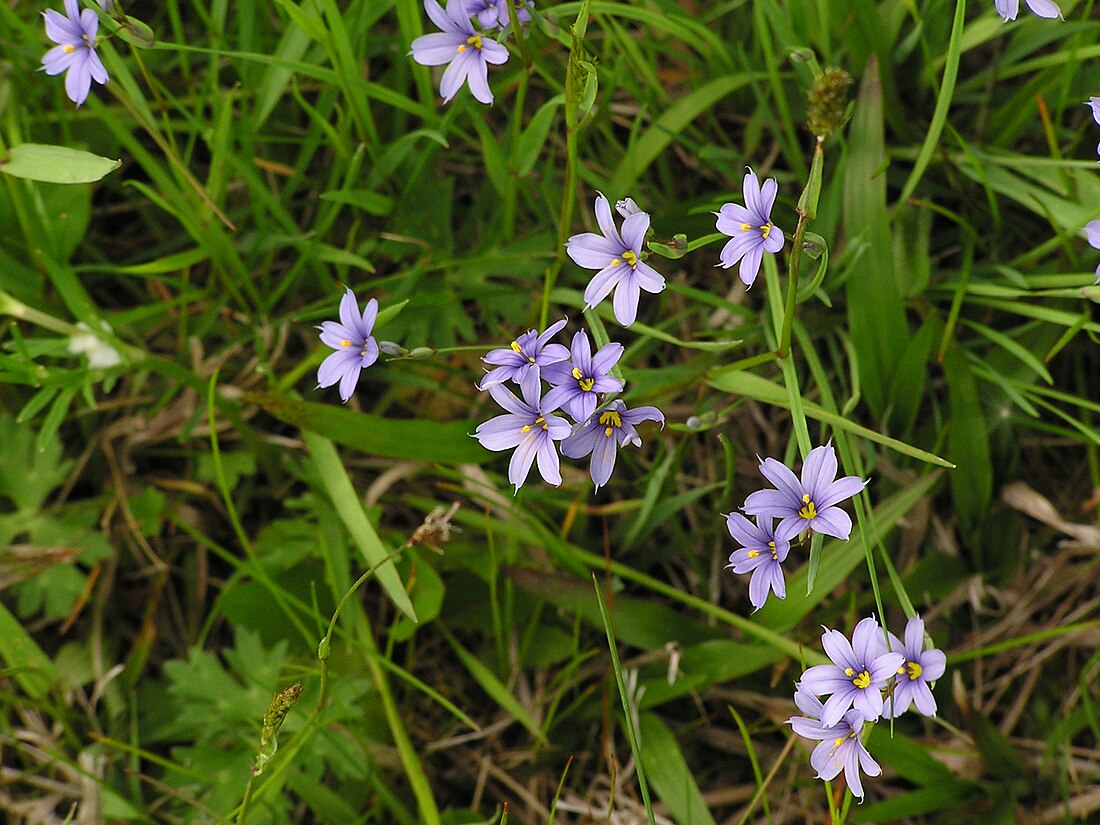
(180, 529)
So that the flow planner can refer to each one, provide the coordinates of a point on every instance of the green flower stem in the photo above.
(569, 195)
(524, 49)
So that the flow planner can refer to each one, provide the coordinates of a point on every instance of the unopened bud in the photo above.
(421, 352)
(828, 100)
(626, 207)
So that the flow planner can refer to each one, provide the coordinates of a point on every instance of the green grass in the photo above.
(176, 532)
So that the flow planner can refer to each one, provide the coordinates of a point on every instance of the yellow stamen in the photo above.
(577, 374)
(753, 554)
(474, 40)
(515, 346)
(345, 343)
(531, 358)
(611, 418)
(863, 680)
(809, 509)
(586, 384)
(631, 258)
(526, 428)
(775, 553)
(849, 672)
(839, 741)
(69, 49)
(745, 227)
(915, 670)
(542, 421)
(608, 432)
(765, 230)
(615, 262)
(461, 48)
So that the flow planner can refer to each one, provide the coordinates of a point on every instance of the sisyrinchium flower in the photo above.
(75, 35)
(762, 553)
(860, 670)
(1008, 9)
(577, 382)
(528, 353)
(528, 427)
(1092, 231)
(603, 434)
(459, 45)
(618, 257)
(810, 502)
(750, 227)
(355, 347)
(840, 746)
(921, 667)
(494, 13)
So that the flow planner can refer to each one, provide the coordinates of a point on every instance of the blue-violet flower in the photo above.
(1094, 104)
(859, 672)
(751, 228)
(810, 502)
(606, 431)
(355, 347)
(458, 44)
(75, 53)
(619, 261)
(494, 13)
(576, 383)
(529, 428)
(762, 553)
(527, 353)
(1008, 9)
(1092, 231)
(840, 748)
(921, 667)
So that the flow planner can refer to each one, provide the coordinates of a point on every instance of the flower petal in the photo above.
(523, 458)
(819, 470)
(548, 461)
(436, 49)
(477, 78)
(626, 300)
(592, 251)
(603, 457)
(602, 283)
(634, 231)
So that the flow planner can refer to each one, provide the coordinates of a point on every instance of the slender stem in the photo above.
(792, 286)
(247, 801)
(517, 29)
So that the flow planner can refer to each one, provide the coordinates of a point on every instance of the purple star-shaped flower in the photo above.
(840, 748)
(606, 431)
(75, 53)
(527, 427)
(619, 261)
(921, 667)
(458, 44)
(577, 382)
(355, 347)
(750, 227)
(527, 353)
(809, 502)
(1092, 231)
(1008, 9)
(494, 13)
(858, 674)
(762, 553)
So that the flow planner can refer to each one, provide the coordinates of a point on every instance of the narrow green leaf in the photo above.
(25, 662)
(348, 506)
(673, 781)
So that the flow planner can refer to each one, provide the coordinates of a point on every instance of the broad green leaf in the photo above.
(672, 780)
(446, 442)
(56, 164)
(967, 442)
(23, 659)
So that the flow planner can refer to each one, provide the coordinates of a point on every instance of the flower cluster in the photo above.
(577, 378)
(860, 671)
(619, 257)
(800, 504)
(75, 35)
(465, 51)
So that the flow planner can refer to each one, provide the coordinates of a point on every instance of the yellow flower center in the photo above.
(915, 670)
(766, 230)
(473, 40)
(542, 421)
(808, 510)
(775, 553)
(631, 258)
(862, 680)
(586, 384)
(610, 420)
